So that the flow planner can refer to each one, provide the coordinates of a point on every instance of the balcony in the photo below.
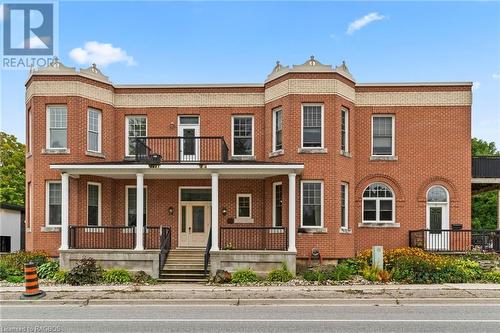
(178, 149)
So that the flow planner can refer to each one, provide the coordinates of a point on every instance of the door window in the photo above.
(198, 219)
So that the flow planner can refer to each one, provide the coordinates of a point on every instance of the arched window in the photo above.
(378, 204)
(437, 194)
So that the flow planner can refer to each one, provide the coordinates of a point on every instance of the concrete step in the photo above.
(182, 271)
(183, 280)
(175, 266)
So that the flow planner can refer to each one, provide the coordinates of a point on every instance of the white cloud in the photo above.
(476, 85)
(363, 21)
(496, 76)
(101, 54)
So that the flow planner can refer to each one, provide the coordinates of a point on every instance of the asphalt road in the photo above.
(309, 318)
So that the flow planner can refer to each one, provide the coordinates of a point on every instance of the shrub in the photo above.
(16, 260)
(280, 275)
(15, 278)
(60, 277)
(142, 277)
(371, 274)
(7, 271)
(244, 275)
(86, 271)
(314, 275)
(116, 276)
(341, 272)
(493, 276)
(47, 270)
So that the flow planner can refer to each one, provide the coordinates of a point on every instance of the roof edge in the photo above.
(412, 84)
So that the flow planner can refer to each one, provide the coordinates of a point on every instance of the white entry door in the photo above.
(194, 224)
(189, 131)
(438, 236)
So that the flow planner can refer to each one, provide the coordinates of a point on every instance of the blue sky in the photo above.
(216, 42)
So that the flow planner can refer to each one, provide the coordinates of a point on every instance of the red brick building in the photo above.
(309, 159)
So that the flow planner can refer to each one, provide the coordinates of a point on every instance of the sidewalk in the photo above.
(239, 295)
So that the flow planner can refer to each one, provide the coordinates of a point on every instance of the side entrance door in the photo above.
(194, 224)
(189, 130)
(438, 237)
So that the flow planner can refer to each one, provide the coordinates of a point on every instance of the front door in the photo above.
(189, 131)
(438, 238)
(194, 224)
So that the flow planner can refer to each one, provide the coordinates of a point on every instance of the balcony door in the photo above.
(189, 146)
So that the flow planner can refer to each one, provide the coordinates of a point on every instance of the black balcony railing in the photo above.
(460, 240)
(253, 238)
(178, 149)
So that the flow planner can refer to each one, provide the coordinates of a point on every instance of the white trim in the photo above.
(30, 130)
(127, 117)
(346, 110)
(485, 181)
(274, 112)
(274, 202)
(393, 141)
(377, 206)
(243, 195)
(284, 167)
(99, 133)
(190, 85)
(126, 203)
(47, 202)
(346, 200)
(47, 127)
(322, 125)
(30, 207)
(232, 133)
(99, 203)
(302, 182)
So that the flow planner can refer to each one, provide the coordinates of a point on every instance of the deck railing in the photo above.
(253, 238)
(450, 240)
(178, 149)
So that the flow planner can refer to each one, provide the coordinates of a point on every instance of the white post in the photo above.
(139, 228)
(498, 210)
(215, 212)
(291, 213)
(64, 211)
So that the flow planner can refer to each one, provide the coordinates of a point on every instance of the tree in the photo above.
(12, 178)
(484, 205)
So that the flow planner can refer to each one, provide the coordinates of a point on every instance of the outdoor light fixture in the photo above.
(171, 210)
(224, 211)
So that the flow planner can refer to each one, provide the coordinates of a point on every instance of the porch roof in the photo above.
(127, 170)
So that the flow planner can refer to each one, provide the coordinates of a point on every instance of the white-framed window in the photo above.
(93, 204)
(30, 206)
(383, 135)
(53, 201)
(244, 206)
(378, 204)
(344, 123)
(277, 129)
(344, 206)
(311, 204)
(278, 204)
(57, 127)
(135, 127)
(94, 119)
(131, 205)
(312, 126)
(30, 131)
(242, 130)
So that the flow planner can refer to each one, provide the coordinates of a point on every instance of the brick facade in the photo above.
(432, 146)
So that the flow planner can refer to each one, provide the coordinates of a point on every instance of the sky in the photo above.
(240, 42)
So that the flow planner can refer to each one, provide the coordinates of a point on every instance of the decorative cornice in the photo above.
(309, 87)
(410, 98)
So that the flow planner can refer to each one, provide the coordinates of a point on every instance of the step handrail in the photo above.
(207, 253)
(165, 244)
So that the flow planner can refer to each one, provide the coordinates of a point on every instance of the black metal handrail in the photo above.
(253, 238)
(101, 237)
(207, 253)
(455, 240)
(179, 149)
(165, 244)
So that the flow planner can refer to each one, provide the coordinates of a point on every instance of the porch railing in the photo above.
(111, 237)
(450, 240)
(253, 238)
(165, 245)
(178, 149)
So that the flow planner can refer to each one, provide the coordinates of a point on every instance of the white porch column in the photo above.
(498, 211)
(291, 213)
(64, 211)
(215, 212)
(139, 229)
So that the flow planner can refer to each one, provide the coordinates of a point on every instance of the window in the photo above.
(57, 123)
(344, 206)
(244, 204)
(437, 194)
(131, 200)
(30, 131)
(5, 243)
(136, 127)
(93, 204)
(94, 130)
(54, 200)
(383, 135)
(378, 204)
(312, 126)
(312, 204)
(344, 145)
(277, 204)
(277, 129)
(242, 135)
(30, 205)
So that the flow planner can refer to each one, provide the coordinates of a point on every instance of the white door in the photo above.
(189, 131)
(438, 236)
(194, 224)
